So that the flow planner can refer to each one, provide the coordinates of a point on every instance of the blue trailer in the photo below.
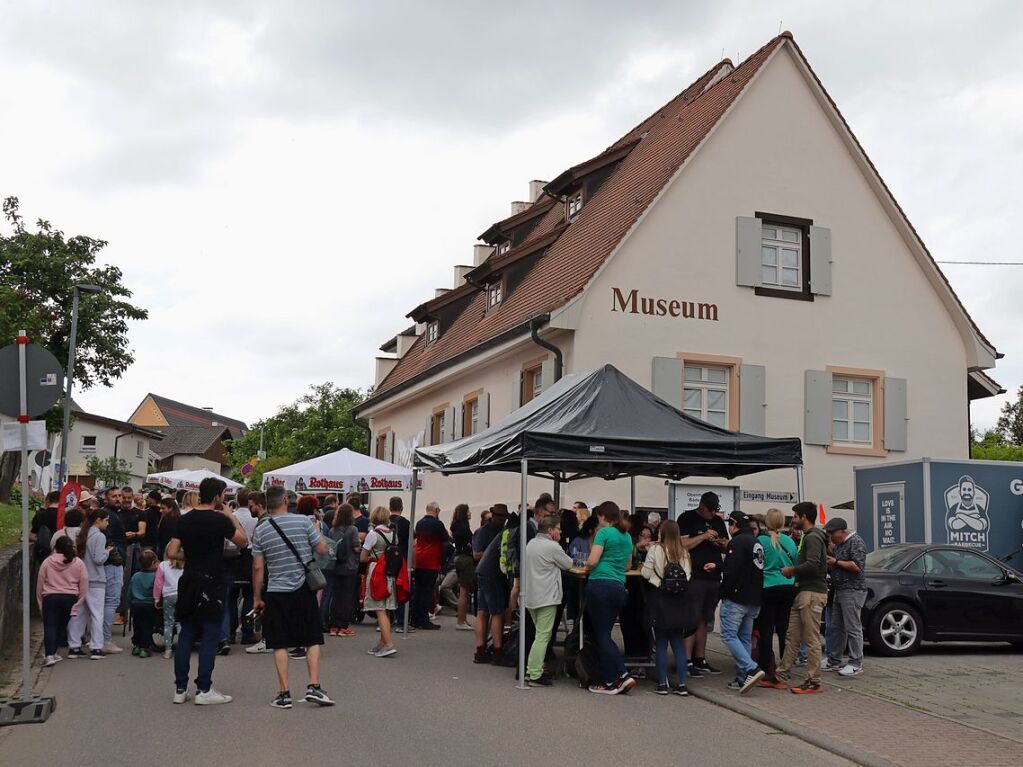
(977, 504)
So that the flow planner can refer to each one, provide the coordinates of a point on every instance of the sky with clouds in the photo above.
(282, 182)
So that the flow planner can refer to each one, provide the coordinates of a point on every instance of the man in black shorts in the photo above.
(705, 536)
(291, 615)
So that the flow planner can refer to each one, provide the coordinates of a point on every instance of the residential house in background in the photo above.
(96, 436)
(158, 412)
(192, 447)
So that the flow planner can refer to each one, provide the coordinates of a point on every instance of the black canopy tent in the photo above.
(601, 423)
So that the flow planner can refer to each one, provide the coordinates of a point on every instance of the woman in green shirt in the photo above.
(610, 557)
(778, 595)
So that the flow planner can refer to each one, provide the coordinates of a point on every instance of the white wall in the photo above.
(105, 436)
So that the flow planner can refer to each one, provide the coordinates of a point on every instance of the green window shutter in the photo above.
(748, 239)
(753, 399)
(820, 261)
(817, 419)
(896, 415)
(667, 380)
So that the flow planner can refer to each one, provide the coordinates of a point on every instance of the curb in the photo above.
(783, 725)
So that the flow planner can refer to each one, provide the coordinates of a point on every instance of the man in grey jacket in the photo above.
(847, 563)
(542, 566)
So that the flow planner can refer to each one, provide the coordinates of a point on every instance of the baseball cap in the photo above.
(835, 524)
(710, 500)
(740, 518)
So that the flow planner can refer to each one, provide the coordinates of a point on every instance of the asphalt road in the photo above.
(428, 705)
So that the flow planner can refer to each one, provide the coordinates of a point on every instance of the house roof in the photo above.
(647, 157)
(180, 414)
(127, 428)
(189, 440)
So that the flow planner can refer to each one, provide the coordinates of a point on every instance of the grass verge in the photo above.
(10, 524)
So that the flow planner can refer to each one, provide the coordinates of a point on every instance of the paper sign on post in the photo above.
(11, 436)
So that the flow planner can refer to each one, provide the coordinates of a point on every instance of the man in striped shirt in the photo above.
(291, 617)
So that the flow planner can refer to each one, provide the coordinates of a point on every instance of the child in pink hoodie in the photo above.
(61, 587)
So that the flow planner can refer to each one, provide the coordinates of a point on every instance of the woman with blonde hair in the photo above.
(373, 548)
(667, 569)
(778, 595)
(189, 501)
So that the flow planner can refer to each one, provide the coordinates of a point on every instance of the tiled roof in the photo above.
(188, 440)
(665, 140)
(662, 142)
(180, 414)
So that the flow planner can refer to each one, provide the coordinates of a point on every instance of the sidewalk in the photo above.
(911, 712)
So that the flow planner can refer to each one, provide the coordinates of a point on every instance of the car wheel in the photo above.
(896, 629)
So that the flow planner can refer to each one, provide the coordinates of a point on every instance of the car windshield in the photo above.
(885, 559)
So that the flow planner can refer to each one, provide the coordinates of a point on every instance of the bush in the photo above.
(35, 502)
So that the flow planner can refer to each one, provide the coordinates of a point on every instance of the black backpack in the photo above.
(393, 559)
(674, 580)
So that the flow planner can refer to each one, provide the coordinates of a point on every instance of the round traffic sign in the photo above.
(44, 380)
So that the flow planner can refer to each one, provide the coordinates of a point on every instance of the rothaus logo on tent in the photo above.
(966, 516)
(379, 483)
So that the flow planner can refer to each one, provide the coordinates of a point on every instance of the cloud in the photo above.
(282, 182)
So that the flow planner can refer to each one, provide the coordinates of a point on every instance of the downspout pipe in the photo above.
(559, 360)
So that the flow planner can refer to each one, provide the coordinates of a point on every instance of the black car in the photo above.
(918, 592)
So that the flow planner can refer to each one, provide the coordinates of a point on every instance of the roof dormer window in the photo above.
(495, 294)
(504, 247)
(432, 332)
(574, 206)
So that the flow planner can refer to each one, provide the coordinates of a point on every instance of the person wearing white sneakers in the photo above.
(61, 587)
(200, 535)
(846, 562)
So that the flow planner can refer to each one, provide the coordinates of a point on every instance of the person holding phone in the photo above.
(705, 537)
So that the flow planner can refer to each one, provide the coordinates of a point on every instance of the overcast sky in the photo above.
(282, 182)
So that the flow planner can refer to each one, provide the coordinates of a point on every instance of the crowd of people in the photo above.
(278, 573)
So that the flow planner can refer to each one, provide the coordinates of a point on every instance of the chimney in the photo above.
(405, 343)
(536, 189)
(481, 253)
(438, 292)
(384, 366)
(518, 206)
(460, 271)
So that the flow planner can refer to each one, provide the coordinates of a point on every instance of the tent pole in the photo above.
(800, 492)
(410, 555)
(523, 521)
(557, 492)
(632, 494)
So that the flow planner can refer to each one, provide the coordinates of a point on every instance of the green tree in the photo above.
(108, 471)
(318, 422)
(39, 267)
(1010, 422)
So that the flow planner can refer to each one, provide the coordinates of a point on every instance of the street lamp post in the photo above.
(78, 289)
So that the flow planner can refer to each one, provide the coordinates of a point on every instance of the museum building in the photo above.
(737, 253)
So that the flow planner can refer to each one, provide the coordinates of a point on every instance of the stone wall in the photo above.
(10, 595)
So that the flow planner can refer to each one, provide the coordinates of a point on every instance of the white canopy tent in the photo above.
(341, 472)
(188, 479)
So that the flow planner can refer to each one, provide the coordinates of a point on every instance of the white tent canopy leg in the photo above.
(411, 554)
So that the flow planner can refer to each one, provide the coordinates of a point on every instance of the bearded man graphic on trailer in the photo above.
(967, 506)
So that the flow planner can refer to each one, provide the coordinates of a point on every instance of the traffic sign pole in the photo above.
(26, 668)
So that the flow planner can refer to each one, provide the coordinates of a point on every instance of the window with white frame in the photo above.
(504, 247)
(705, 393)
(471, 422)
(575, 204)
(495, 294)
(432, 331)
(138, 449)
(532, 383)
(89, 443)
(852, 410)
(781, 256)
